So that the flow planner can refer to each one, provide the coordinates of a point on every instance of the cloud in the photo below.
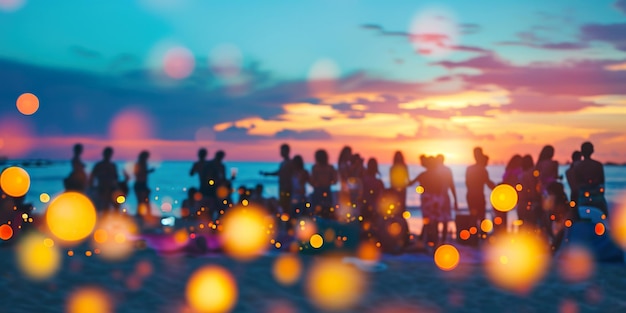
(620, 5)
(315, 134)
(236, 134)
(548, 46)
(609, 33)
(85, 52)
(469, 28)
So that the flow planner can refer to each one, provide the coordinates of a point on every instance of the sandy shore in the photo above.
(410, 283)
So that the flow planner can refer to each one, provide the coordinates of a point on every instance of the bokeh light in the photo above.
(178, 63)
(245, 232)
(516, 262)
(486, 225)
(71, 216)
(434, 32)
(447, 257)
(27, 103)
(113, 236)
(322, 76)
(576, 264)
(15, 181)
(316, 241)
(211, 289)
(44, 198)
(131, 124)
(36, 259)
(6, 232)
(11, 5)
(16, 136)
(334, 285)
(503, 198)
(287, 269)
(89, 299)
(226, 61)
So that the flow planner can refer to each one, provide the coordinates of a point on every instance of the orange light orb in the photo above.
(287, 269)
(90, 299)
(211, 289)
(6, 232)
(486, 225)
(112, 236)
(71, 216)
(44, 198)
(27, 103)
(576, 264)
(334, 286)
(245, 233)
(600, 229)
(36, 259)
(516, 262)
(464, 234)
(447, 257)
(15, 181)
(503, 198)
(316, 241)
(617, 224)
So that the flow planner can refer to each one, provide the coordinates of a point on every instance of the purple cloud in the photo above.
(620, 5)
(609, 33)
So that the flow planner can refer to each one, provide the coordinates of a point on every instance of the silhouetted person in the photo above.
(300, 177)
(323, 175)
(590, 180)
(512, 176)
(104, 179)
(355, 180)
(399, 179)
(445, 181)
(77, 180)
(220, 186)
(373, 189)
(570, 174)
(142, 191)
(547, 168)
(284, 174)
(529, 200)
(198, 168)
(343, 169)
(191, 206)
(476, 178)
(557, 204)
(430, 198)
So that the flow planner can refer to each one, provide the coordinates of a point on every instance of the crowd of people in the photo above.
(362, 196)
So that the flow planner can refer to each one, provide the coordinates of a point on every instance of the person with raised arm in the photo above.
(284, 173)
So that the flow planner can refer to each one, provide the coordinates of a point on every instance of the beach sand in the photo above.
(149, 282)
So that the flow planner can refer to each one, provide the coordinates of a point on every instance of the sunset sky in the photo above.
(244, 76)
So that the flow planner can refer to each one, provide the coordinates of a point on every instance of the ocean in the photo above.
(171, 179)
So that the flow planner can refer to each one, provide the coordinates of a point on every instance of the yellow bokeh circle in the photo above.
(333, 285)
(316, 241)
(287, 269)
(15, 181)
(36, 259)
(71, 216)
(447, 257)
(245, 233)
(89, 299)
(211, 289)
(503, 198)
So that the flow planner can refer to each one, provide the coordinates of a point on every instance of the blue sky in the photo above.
(105, 59)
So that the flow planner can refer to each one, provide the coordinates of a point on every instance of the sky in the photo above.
(422, 77)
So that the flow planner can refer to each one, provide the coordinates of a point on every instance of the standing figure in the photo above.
(529, 200)
(590, 180)
(323, 175)
(142, 191)
(512, 176)
(373, 189)
(299, 179)
(284, 173)
(104, 179)
(198, 168)
(570, 174)
(476, 178)
(430, 200)
(547, 171)
(219, 188)
(399, 179)
(445, 181)
(77, 180)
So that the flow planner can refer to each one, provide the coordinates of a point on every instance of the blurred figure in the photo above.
(512, 176)
(529, 200)
(570, 175)
(547, 168)
(191, 206)
(355, 180)
(300, 177)
(399, 179)
(104, 179)
(430, 199)
(142, 191)
(219, 186)
(590, 180)
(198, 168)
(476, 178)
(323, 175)
(373, 188)
(77, 180)
(445, 182)
(284, 173)
(343, 168)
